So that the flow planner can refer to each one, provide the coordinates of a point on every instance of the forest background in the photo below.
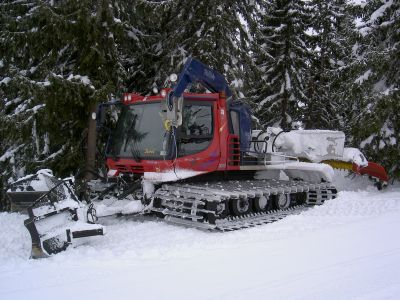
(299, 64)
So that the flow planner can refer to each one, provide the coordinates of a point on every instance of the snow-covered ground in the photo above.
(348, 248)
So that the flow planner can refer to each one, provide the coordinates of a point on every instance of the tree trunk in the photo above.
(90, 163)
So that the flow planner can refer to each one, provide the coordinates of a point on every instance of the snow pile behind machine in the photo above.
(193, 160)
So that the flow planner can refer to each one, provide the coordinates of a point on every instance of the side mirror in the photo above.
(101, 113)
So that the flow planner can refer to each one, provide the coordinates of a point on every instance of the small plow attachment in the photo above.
(57, 219)
(375, 172)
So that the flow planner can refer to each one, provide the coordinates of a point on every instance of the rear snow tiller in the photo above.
(57, 219)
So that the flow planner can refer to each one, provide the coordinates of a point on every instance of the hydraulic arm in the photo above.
(193, 71)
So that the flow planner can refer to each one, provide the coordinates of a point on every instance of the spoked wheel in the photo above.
(282, 201)
(260, 204)
(221, 210)
(241, 206)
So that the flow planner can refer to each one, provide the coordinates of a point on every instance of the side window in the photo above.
(235, 122)
(196, 132)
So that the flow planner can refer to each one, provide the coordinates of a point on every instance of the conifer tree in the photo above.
(282, 56)
(19, 109)
(60, 59)
(212, 31)
(330, 32)
(378, 83)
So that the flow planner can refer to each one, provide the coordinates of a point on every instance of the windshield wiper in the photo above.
(134, 136)
(130, 132)
(136, 153)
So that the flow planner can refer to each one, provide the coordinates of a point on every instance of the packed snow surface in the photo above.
(347, 248)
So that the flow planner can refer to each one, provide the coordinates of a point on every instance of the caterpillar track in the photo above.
(233, 205)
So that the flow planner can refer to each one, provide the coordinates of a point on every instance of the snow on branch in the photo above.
(269, 99)
(380, 11)
(10, 152)
(83, 79)
(53, 155)
(5, 80)
(363, 77)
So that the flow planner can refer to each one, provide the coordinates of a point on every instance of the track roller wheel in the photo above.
(298, 198)
(282, 201)
(260, 204)
(221, 210)
(241, 206)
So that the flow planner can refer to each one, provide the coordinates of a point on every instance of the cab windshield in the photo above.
(139, 133)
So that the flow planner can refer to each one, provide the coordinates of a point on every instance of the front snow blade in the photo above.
(57, 218)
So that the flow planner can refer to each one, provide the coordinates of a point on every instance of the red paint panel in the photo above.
(373, 169)
(204, 161)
